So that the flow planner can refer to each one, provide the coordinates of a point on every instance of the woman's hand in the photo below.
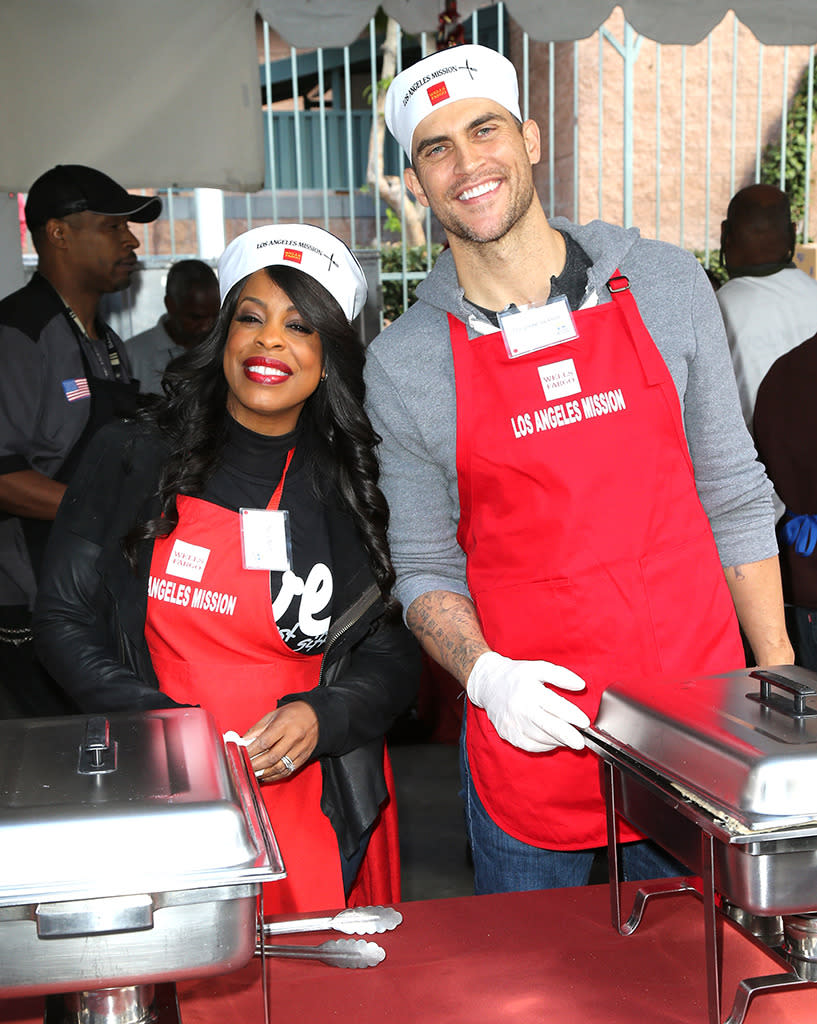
(282, 741)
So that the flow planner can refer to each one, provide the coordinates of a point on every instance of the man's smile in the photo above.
(479, 190)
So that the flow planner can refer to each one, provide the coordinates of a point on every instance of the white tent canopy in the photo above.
(338, 22)
(167, 91)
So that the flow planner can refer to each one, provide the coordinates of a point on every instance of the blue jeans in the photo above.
(505, 864)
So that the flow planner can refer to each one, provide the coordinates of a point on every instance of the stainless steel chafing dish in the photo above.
(132, 852)
(721, 771)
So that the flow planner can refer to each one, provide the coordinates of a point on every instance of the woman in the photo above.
(229, 550)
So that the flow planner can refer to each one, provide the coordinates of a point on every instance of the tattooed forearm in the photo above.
(758, 599)
(447, 627)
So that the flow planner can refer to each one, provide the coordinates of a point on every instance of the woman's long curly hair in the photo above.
(339, 439)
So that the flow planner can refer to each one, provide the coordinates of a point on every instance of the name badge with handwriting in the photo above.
(265, 539)
(537, 326)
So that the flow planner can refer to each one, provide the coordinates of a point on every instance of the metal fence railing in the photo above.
(634, 132)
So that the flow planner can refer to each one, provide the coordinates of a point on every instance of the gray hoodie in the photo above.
(411, 400)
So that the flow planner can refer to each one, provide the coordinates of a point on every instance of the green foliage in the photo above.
(796, 144)
(714, 269)
(382, 86)
(391, 256)
(393, 222)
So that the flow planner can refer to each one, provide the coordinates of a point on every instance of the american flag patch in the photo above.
(76, 388)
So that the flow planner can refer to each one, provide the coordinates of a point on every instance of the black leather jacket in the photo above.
(89, 623)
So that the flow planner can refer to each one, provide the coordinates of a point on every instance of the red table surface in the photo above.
(522, 957)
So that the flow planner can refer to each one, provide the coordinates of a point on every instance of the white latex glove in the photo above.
(521, 707)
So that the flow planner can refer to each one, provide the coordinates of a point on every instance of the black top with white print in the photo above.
(250, 470)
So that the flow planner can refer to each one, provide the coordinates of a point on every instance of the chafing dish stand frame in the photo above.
(746, 988)
(165, 1005)
(166, 1008)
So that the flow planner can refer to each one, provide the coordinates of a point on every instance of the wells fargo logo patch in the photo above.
(437, 92)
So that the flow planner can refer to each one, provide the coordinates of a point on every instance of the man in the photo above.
(785, 427)
(192, 304)
(768, 304)
(65, 374)
(540, 459)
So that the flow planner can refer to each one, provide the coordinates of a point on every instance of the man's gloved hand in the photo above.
(521, 707)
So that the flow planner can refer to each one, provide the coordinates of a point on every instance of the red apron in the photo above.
(214, 642)
(586, 544)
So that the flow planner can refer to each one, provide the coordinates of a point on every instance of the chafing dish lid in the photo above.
(131, 803)
(744, 741)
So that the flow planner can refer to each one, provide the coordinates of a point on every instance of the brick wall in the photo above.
(692, 187)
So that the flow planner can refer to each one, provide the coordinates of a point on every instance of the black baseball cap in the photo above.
(72, 188)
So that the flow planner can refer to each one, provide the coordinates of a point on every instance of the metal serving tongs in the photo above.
(352, 921)
(336, 952)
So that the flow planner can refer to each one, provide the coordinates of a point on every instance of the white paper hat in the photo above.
(307, 248)
(457, 73)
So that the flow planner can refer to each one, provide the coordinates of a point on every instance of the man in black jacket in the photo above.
(65, 374)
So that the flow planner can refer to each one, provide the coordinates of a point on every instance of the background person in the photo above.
(192, 304)
(65, 373)
(768, 304)
(303, 660)
(555, 476)
(785, 427)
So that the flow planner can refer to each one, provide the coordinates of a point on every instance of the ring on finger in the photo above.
(288, 763)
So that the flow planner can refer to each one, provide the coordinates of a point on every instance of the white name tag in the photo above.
(537, 326)
(187, 561)
(265, 541)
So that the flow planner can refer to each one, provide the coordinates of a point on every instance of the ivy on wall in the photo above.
(796, 145)
(392, 261)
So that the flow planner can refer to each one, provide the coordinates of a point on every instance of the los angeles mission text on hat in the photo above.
(429, 78)
(286, 242)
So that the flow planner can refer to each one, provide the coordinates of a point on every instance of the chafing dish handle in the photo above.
(254, 807)
(94, 916)
(796, 708)
(97, 755)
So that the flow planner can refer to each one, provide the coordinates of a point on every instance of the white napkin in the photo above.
(231, 736)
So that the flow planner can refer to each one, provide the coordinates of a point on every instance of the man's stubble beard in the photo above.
(516, 211)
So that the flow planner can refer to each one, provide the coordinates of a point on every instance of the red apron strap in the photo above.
(655, 369)
(275, 500)
(652, 362)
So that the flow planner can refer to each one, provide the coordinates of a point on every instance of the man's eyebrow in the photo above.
(489, 116)
(434, 140)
